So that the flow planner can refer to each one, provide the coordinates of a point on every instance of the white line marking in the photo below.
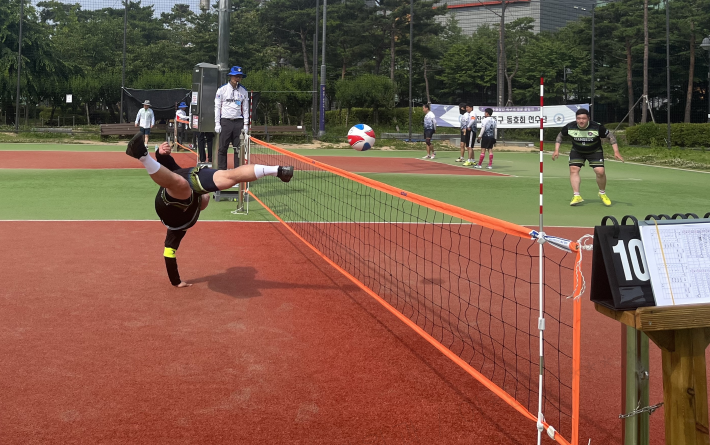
(531, 226)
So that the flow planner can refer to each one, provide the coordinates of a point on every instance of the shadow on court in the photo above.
(241, 282)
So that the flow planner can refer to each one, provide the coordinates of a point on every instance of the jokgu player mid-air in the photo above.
(184, 192)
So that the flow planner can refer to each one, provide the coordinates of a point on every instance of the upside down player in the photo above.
(182, 192)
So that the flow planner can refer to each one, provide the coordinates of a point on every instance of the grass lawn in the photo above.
(635, 189)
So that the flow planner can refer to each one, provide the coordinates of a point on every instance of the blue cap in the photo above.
(182, 105)
(237, 71)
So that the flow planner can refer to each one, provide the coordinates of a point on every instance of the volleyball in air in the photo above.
(361, 137)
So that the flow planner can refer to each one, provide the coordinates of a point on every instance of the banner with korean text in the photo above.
(511, 117)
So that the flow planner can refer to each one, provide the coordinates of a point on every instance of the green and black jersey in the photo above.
(587, 140)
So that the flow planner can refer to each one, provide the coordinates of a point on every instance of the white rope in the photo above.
(583, 245)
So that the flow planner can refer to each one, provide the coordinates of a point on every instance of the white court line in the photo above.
(533, 226)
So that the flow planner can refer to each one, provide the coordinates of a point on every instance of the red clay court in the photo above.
(270, 345)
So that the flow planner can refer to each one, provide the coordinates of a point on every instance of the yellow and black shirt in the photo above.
(586, 140)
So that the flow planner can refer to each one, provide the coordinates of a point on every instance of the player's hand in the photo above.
(135, 125)
(165, 148)
(478, 139)
(555, 155)
(217, 128)
(184, 284)
(618, 156)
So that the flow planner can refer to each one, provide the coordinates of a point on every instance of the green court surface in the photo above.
(129, 193)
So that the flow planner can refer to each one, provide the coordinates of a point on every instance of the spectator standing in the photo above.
(146, 120)
(231, 113)
(181, 121)
(487, 138)
(429, 130)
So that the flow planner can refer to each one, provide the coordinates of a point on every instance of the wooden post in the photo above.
(683, 334)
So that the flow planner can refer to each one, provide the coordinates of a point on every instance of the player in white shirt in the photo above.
(487, 138)
(463, 123)
(470, 134)
(429, 130)
(231, 115)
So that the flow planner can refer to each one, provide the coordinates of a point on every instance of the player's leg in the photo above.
(470, 139)
(575, 182)
(490, 158)
(224, 179)
(482, 156)
(176, 186)
(601, 182)
(463, 147)
(172, 243)
(205, 180)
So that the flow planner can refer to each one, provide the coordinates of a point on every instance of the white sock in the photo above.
(265, 170)
(150, 164)
(602, 191)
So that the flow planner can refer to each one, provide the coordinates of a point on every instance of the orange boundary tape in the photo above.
(467, 215)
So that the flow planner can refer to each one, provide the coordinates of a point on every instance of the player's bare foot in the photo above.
(183, 284)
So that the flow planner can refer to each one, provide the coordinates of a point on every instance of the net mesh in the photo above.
(472, 288)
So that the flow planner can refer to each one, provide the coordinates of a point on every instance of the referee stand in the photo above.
(681, 331)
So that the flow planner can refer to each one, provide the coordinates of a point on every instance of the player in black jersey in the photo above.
(184, 192)
(586, 147)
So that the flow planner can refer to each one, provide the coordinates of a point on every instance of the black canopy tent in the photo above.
(162, 102)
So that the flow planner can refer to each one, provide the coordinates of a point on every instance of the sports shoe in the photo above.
(426, 157)
(605, 199)
(468, 163)
(433, 155)
(577, 199)
(459, 160)
(477, 166)
(285, 173)
(136, 147)
(490, 167)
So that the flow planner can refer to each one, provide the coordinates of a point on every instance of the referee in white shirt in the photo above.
(231, 112)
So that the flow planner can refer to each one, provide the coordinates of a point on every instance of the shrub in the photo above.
(682, 135)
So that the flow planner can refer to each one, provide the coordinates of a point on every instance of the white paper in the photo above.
(679, 265)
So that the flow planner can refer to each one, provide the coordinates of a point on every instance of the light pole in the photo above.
(321, 130)
(19, 69)
(565, 72)
(592, 86)
(706, 46)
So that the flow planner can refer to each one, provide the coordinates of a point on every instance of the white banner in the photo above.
(511, 117)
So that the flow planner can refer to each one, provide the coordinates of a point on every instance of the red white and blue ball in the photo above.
(361, 137)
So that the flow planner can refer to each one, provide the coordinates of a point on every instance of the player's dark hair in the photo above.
(489, 111)
(582, 111)
(428, 106)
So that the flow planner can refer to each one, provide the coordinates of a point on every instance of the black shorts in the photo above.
(145, 131)
(578, 159)
(177, 214)
(487, 143)
(201, 179)
(464, 137)
(470, 139)
(428, 133)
